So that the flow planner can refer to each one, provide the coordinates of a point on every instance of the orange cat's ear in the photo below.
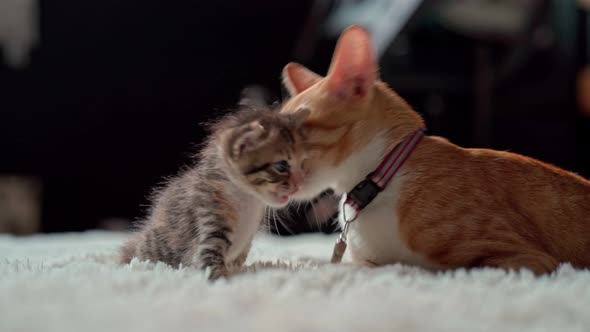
(297, 78)
(353, 68)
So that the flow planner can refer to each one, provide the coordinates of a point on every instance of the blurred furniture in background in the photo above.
(18, 31)
(20, 205)
(583, 83)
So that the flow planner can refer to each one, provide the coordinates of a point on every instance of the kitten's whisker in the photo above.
(284, 224)
(315, 215)
(307, 219)
(290, 204)
(274, 218)
(266, 220)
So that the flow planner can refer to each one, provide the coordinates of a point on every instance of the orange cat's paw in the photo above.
(361, 261)
(364, 263)
(538, 263)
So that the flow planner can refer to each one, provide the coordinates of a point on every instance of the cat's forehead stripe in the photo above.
(286, 133)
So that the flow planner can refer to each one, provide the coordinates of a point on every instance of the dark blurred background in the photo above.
(100, 100)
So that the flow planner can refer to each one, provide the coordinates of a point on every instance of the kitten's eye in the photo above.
(281, 166)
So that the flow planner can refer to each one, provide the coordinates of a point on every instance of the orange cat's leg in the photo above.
(539, 263)
(360, 261)
(366, 263)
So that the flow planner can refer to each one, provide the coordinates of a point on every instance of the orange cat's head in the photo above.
(353, 115)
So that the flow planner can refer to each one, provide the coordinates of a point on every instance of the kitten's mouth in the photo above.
(281, 199)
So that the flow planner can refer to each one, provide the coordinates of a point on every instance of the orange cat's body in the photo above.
(447, 206)
(475, 207)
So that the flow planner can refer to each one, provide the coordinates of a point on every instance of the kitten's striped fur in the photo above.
(207, 216)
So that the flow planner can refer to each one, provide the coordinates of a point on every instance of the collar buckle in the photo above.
(364, 193)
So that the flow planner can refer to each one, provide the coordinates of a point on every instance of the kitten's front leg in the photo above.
(217, 272)
(212, 248)
(241, 259)
(212, 261)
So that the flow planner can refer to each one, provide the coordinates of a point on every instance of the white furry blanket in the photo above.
(71, 282)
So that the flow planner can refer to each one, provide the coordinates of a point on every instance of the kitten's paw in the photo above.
(238, 263)
(217, 272)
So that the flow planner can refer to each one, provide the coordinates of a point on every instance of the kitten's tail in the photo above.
(128, 250)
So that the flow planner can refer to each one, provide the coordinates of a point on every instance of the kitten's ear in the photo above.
(245, 138)
(297, 78)
(353, 69)
(299, 116)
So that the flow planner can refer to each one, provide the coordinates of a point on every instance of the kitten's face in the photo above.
(266, 155)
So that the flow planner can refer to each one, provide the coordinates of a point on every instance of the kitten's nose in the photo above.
(296, 182)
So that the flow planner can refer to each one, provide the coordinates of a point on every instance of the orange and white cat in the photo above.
(448, 206)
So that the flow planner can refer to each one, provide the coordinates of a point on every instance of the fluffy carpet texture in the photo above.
(71, 282)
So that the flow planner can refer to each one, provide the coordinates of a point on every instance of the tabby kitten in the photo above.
(447, 206)
(207, 216)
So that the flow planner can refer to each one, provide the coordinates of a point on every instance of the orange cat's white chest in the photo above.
(375, 237)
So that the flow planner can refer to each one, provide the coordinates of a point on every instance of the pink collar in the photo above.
(365, 191)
